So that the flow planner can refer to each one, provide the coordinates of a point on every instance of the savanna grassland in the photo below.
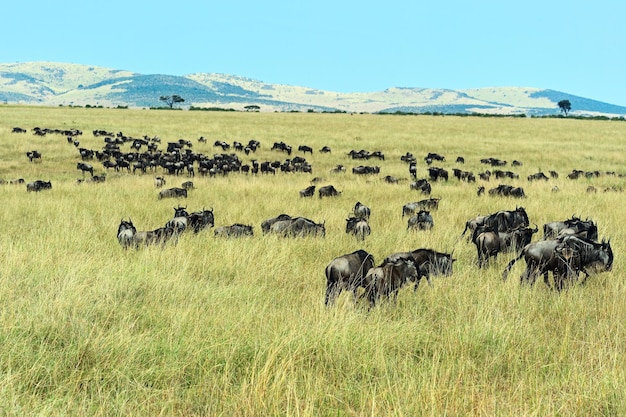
(238, 327)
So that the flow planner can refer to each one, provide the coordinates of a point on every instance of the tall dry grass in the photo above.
(238, 327)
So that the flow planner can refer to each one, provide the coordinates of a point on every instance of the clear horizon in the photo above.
(342, 47)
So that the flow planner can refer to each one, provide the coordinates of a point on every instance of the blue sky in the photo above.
(345, 46)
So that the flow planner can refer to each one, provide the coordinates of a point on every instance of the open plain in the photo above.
(238, 327)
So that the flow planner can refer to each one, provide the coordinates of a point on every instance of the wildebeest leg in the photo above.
(332, 290)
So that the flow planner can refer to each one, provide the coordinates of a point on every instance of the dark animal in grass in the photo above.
(346, 272)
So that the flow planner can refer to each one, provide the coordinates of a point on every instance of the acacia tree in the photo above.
(171, 100)
(565, 106)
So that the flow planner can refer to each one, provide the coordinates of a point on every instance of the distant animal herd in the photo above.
(569, 247)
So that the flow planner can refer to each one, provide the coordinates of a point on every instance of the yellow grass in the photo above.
(238, 327)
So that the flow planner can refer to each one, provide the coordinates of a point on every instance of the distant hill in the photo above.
(54, 84)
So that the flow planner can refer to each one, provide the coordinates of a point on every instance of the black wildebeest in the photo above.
(428, 261)
(38, 185)
(308, 191)
(174, 192)
(386, 280)
(358, 226)
(235, 230)
(347, 272)
(423, 220)
(328, 191)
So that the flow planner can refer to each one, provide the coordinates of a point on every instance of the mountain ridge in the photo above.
(54, 84)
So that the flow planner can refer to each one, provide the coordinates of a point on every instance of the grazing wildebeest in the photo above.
(85, 168)
(428, 261)
(298, 227)
(328, 191)
(361, 210)
(308, 191)
(366, 170)
(18, 130)
(422, 185)
(325, 149)
(574, 226)
(542, 257)
(421, 221)
(235, 230)
(389, 179)
(338, 169)
(38, 185)
(387, 279)
(409, 209)
(305, 149)
(267, 224)
(174, 192)
(358, 226)
(346, 272)
(538, 176)
(33, 155)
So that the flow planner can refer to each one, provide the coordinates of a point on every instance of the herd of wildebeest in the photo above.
(569, 248)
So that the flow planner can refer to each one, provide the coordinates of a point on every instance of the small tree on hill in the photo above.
(565, 106)
(171, 100)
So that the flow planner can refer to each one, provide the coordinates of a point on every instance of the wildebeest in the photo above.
(324, 149)
(358, 226)
(200, 220)
(490, 242)
(538, 176)
(85, 168)
(308, 191)
(267, 224)
(174, 192)
(387, 279)
(346, 272)
(235, 230)
(542, 257)
(328, 191)
(365, 170)
(409, 209)
(298, 227)
(159, 182)
(428, 262)
(38, 185)
(574, 226)
(422, 185)
(33, 155)
(305, 149)
(436, 174)
(575, 255)
(179, 222)
(127, 235)
(361, 210)
(502, 221)
(187, 185)
(338, 169)
(18, 130)
(423, 220)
